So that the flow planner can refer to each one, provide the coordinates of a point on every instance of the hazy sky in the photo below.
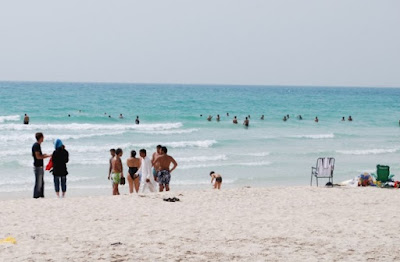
(299, 42)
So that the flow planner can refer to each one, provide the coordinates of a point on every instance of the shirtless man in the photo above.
(156, 155)
(235, 120)
(117, 171)
(218, 118)
(26, 119)
(112, 152)
(217, 178)
(209, 118)
(246, 122)
(164, 175)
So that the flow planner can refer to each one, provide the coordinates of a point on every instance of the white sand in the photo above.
(247, 224)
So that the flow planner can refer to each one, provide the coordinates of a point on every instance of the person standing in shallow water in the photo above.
(26, 119)
(235, 120)
(38, 157)
(60, 159)
(137, 121)
(246, 122)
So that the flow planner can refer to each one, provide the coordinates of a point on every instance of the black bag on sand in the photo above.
(122, 182)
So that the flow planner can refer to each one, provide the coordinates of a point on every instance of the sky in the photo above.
(249, 42)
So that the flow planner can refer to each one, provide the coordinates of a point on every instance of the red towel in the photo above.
(50, 164)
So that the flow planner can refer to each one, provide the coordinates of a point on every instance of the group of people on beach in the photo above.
(57, 165)
(143, 172)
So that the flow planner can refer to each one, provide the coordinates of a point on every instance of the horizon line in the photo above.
(193, 84)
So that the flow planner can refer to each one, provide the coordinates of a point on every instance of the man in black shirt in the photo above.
(38, 157)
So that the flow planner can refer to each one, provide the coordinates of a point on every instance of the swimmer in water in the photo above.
(227, 114)
(284, 118)
(343, 118)
(246, 122)
(218, 118)
(235, 120)
(316, 119)
(350, 119)
(137, 121)
(209, 118)
(262, 117)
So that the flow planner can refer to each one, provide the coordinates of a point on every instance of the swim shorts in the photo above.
(116, 178)
(218, 179)
(163, 177)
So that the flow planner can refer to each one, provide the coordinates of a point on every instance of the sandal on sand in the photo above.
(175, 199)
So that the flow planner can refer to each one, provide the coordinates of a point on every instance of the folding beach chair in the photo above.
(383, 174)
(323, 169)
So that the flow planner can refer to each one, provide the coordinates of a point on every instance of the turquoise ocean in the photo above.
(270, 152)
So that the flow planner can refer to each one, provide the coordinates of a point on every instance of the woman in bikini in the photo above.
(133, 177)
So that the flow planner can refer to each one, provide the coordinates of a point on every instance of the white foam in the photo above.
(262, 163)
(171, 132)
(29, 137)
(316, 136)
(9, 118)
(367, 151)
(178, 144)
(259, 154)
(202, 158)
(81, 127)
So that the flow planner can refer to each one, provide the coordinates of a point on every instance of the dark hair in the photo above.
(212, 172)
(164, 149)
(133, 153)
(38, 136)
(159, 146)
(118, 151)
(143, 151)
(112, 150)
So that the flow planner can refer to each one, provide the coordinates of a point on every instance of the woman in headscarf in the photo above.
(60, 160)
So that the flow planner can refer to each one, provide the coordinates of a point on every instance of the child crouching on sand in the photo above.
(217, 178)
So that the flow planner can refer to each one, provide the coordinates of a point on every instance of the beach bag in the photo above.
(50, 164)
(122, 182)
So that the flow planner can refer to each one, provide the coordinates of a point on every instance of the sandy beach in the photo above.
(244, 224)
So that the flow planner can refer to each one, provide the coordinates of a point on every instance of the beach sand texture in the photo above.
(244, 224)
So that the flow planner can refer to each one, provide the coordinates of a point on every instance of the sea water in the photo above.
(268, 152)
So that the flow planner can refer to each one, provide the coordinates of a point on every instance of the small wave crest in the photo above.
(316, 136)
(171, 132)
(201, 158)
(9, 118)
(367, 151)
(82, 127)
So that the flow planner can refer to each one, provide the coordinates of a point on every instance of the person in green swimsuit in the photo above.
(117, 171)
